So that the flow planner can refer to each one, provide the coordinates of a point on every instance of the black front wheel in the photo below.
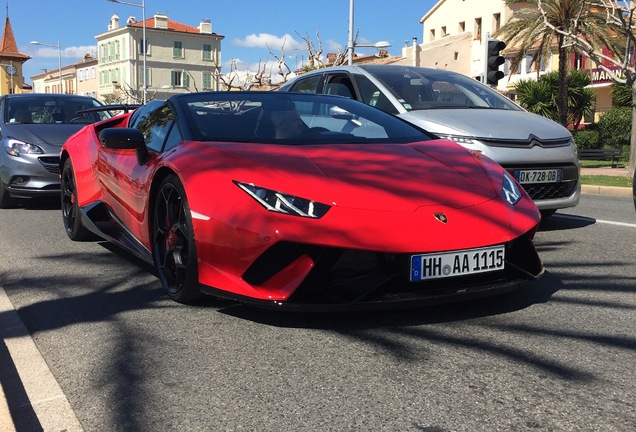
(174, 250)
(71, 214)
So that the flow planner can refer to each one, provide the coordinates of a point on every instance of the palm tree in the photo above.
(537, 25)
(622, 95)
(539, 96)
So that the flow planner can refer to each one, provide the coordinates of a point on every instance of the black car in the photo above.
(33, 128)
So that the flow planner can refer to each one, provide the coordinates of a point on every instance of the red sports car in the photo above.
(297, 200)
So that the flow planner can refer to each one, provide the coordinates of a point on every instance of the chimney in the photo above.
(113, 23)
(205, 26)
(416, 53)
(161, 21)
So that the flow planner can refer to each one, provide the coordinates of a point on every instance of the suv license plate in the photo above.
(538, 176)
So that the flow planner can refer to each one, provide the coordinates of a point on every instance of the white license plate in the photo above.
(538, 176)
(457, 263)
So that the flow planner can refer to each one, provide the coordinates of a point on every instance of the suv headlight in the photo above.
(16, 147)
(463, 140)
(284, 203)
(509, 190)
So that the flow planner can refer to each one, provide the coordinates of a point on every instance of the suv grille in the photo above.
(527, 143)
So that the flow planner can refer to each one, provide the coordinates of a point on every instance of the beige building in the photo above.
(179, 58)
(74, 79)
(455, 35)
(86, 73)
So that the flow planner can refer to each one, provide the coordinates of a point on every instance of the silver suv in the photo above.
(33, 127)
(538, 152)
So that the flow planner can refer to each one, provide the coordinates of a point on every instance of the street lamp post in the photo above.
(351, 45)
(142, 5)
(59, 58)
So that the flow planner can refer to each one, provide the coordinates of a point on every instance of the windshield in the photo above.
(292, 119)
(421, 88)
(51, 109)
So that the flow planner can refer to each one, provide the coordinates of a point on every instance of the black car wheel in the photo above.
(71, 215)
(6, 200)
(173, 242)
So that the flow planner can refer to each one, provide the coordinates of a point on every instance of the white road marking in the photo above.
(623, 224)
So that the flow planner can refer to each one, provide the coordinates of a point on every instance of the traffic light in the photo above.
(493, 61)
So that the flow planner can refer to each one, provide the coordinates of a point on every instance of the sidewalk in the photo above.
(30, 397)
(607, 171)
(606, 190)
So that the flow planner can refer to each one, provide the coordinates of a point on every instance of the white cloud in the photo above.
(269, 41)
(75, 52)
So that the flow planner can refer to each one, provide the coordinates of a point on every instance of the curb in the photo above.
(607, 190)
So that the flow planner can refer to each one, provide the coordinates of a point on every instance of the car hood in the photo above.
(389, 177)
(487, 123)
(41, 134)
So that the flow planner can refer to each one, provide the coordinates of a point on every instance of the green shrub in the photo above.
(625, 153)
(586, 139)
(615, 127)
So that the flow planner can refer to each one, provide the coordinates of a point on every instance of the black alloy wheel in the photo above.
(174, 250)
(71, 214)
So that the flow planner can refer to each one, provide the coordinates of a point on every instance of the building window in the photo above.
(143, 47)
(444, 32)
(496, 22)
(179, 78)
(462, 26)
(207, 52)
(177, 49)
(477, 31)
(207, 80)
(579, 61)
(141, 77)
(432, 34)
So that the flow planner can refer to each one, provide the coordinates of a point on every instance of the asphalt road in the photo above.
(557, 355)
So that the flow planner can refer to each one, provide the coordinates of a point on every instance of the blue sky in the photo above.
(248, 26)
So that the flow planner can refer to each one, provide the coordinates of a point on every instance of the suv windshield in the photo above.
(50, 109)
(420, 88)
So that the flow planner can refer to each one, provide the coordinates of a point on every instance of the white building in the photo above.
(179, 58)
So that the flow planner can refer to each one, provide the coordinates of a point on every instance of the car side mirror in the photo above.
(340, 113)
(126, 139)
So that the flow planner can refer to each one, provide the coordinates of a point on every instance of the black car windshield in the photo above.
(422, 88)
(291, 119)
(51, 109)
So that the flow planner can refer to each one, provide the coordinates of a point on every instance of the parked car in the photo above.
(538, 152)
(297, 200)
(33, 128)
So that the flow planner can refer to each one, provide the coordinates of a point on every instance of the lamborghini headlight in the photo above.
(509, 190)
(16, 147)
(284, 203)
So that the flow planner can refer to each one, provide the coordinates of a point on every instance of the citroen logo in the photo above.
(441, 217)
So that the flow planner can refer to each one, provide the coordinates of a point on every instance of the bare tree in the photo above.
(284, 71)
(235, 80)
(314, 55)
(619, 18)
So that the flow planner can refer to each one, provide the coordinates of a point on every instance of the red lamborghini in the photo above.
(297, 200)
